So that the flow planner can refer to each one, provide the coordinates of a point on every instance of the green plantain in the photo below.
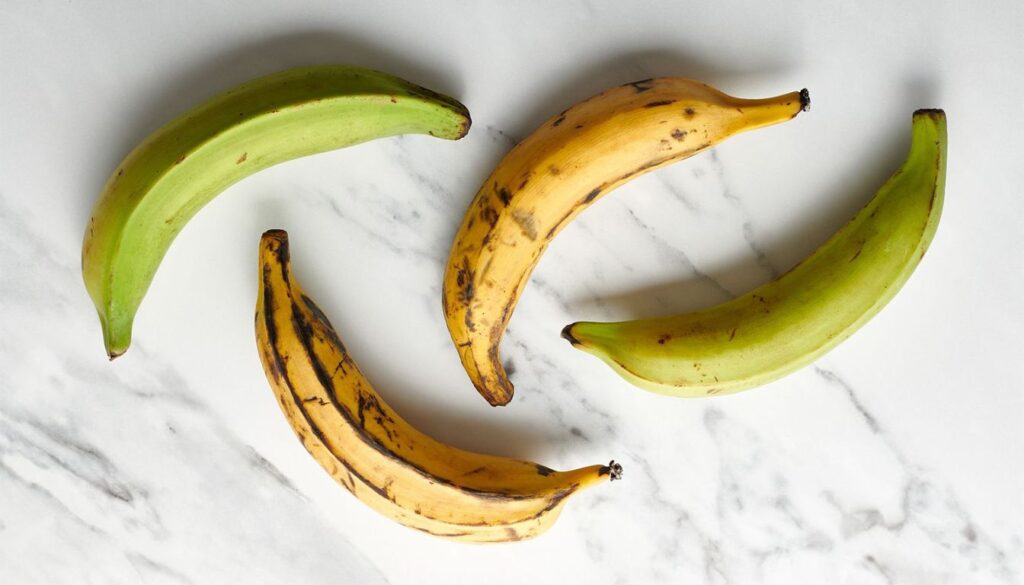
(181, 167)
(786, 324)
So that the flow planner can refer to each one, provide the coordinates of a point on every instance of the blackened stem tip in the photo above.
(805, 100)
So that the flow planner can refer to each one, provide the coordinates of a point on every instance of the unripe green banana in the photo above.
(788, 323)
(181, 167)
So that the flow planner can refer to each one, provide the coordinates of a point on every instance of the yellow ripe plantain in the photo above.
(364, 445)
(558, 171)
(788, 323)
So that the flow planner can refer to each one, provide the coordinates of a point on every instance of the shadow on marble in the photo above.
(234, 66)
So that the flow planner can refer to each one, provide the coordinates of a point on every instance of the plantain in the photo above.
(370, 450)
(788, 323)
(563, 167)
(181, 167)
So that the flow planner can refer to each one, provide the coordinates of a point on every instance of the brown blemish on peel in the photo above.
(554, 170)
(592, 195)
(526, 222)
(664, 338)
(180, 159)
(505, 196)
(558, 121)
(242, 158)
(732, 334)
(689, 112)
(679, 134)
(659, 103)
(464, 280)
(489, 215)
(860, 247)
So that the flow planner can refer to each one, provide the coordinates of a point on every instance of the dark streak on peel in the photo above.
(305, 334)
(659, 103)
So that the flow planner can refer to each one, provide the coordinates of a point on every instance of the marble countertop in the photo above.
(891, 460)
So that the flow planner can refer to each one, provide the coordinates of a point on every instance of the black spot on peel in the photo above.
(505, 196)
(663, 339)
(689, 112)
(659, 103)
(592, 195)
(558, 121)
(545, 471)
(679, 134)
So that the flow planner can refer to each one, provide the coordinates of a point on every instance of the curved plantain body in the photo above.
(364, 445)
(181, 167)
(788, 323)
(558, 171)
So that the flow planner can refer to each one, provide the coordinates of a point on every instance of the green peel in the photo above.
(792, 321)
(181, 167)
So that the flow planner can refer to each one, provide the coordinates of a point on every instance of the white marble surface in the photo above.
(895, 459)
